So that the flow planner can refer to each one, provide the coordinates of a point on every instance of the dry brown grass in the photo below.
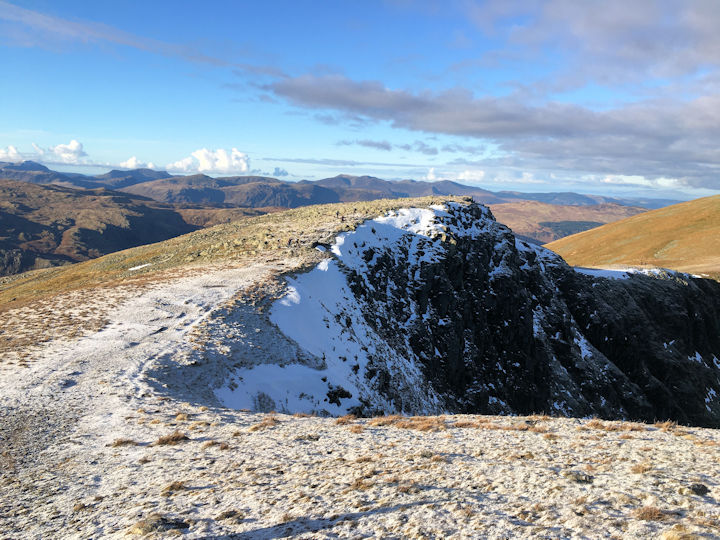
(173, 438)
(344, 420)
(649, 513)
(598, 424)
(123, 442)
(359, 484)
(381, 421)
(472, 424)
(218, 444)
(174, 487)
(235, 515)
(409, 487)
(267, 422)
(676, 534)
(641, 468)
(667, 425)
(525, 217)
(356, 428)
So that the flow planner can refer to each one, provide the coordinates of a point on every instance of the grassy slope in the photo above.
(683, 237)
(525, 217)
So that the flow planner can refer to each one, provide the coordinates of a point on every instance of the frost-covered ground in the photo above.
(82, 452)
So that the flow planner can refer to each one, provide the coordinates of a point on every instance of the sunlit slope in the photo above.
(683, 237)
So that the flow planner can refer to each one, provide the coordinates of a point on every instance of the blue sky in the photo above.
(597, 96)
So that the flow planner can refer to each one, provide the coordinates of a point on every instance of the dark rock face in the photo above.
(500, 326)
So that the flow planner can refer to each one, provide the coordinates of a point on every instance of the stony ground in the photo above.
(183, 469)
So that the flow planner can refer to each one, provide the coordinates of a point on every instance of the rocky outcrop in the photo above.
(496, 325)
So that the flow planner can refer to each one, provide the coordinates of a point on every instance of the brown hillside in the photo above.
(47, 225)
(546, 222)
(683, 237)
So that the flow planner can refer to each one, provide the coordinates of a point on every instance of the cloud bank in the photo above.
(654, 138)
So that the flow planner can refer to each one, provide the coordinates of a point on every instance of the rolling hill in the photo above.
(683, 237)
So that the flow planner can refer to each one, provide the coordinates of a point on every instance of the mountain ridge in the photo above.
(349, 187)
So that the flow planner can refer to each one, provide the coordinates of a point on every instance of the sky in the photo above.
(599, 96)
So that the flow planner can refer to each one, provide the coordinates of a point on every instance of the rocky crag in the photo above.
(444, 310)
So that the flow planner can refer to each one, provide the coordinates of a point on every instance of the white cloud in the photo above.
(213, 161)
(135, 163)
(529, 178)
(10, 154)
(472, 176)
(638, 180)
(70, 153)
(430, 176)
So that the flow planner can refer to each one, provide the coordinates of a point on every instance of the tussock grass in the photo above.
(124, 442)
(419, 423)
(174, 487)
(344, 420)
(641, 468)
(649, 513)
(173, 438)
(667, 425)
(220, 445)
(267, 422)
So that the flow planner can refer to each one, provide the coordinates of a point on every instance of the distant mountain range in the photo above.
(49, 218)
(260, 191)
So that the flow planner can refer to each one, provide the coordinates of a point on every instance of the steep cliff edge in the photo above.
(442, 309)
